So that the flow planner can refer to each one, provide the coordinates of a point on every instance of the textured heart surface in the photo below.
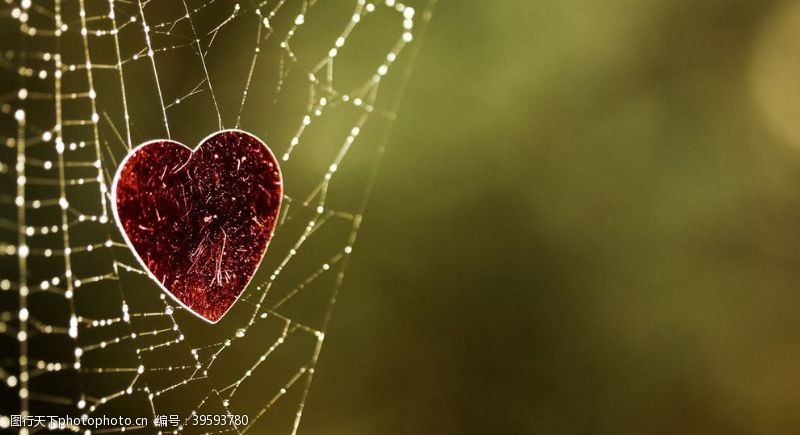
(200, 221)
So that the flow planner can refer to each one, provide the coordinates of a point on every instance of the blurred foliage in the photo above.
(586, 222)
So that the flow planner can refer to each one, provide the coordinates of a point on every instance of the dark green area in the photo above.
(582, 225)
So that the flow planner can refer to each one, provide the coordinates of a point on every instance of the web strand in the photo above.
(84, 330)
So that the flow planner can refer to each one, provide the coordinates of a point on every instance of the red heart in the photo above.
(200, 221)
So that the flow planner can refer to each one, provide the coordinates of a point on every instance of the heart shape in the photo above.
(200, 221)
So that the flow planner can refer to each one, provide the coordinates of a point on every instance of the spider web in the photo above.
(83, 331)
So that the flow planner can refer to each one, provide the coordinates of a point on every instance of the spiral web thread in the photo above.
(83, 331)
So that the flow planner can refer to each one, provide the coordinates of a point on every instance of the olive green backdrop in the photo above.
(587, 218)
(587, 221)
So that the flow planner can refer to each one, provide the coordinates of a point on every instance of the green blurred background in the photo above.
(587, 218)
(587, 221)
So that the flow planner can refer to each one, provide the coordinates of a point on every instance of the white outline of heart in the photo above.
(136, 254)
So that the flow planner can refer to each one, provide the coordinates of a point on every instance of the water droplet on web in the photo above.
(149, 326)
